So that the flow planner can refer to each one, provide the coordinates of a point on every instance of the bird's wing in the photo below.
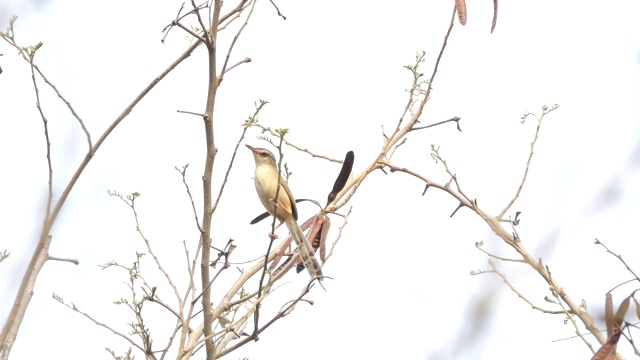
(292, 201)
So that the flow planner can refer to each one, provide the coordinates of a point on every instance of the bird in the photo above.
(267, 179)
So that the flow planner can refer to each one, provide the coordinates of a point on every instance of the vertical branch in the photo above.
(205, 240)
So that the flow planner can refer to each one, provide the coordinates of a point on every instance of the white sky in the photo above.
(333, 74)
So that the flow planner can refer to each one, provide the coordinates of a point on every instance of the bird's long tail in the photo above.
(304, 248)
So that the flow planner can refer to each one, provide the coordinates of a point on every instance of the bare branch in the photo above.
(74, 261)
(233, 43)
(515, 291)
(619, 257)
(100, 324)
(183, 172)
(545, 110)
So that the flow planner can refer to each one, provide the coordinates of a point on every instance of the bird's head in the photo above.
(262, 156)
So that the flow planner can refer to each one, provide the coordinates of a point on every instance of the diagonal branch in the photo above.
(399, 133)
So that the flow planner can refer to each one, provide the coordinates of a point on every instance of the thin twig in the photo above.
(569, 313)
(243, 61)
(233, 43)
(545, 110)
(196, 10)
(453, 119)
(339, 236)
(234, 14)
(103, 325)
(282, 313)
(288, 143)
(183, 172)
(479, 247)
(75, 261)
(253, 118)
(619, 257)
(515, 291)
(429, 182)
(354, 183)
(130, 201)
(278, 10)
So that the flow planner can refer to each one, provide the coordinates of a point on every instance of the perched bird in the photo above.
(267, 179)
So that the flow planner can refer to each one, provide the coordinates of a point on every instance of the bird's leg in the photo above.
(272, 235)
(280, 204)
(283, 206)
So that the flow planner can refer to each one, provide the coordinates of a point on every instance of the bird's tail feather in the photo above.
(304, 248)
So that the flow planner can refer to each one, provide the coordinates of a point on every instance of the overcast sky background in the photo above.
(333, 73)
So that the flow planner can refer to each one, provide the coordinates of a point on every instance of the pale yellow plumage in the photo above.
(267, 178)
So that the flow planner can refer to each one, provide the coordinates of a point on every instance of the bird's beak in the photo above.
(253, 150)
